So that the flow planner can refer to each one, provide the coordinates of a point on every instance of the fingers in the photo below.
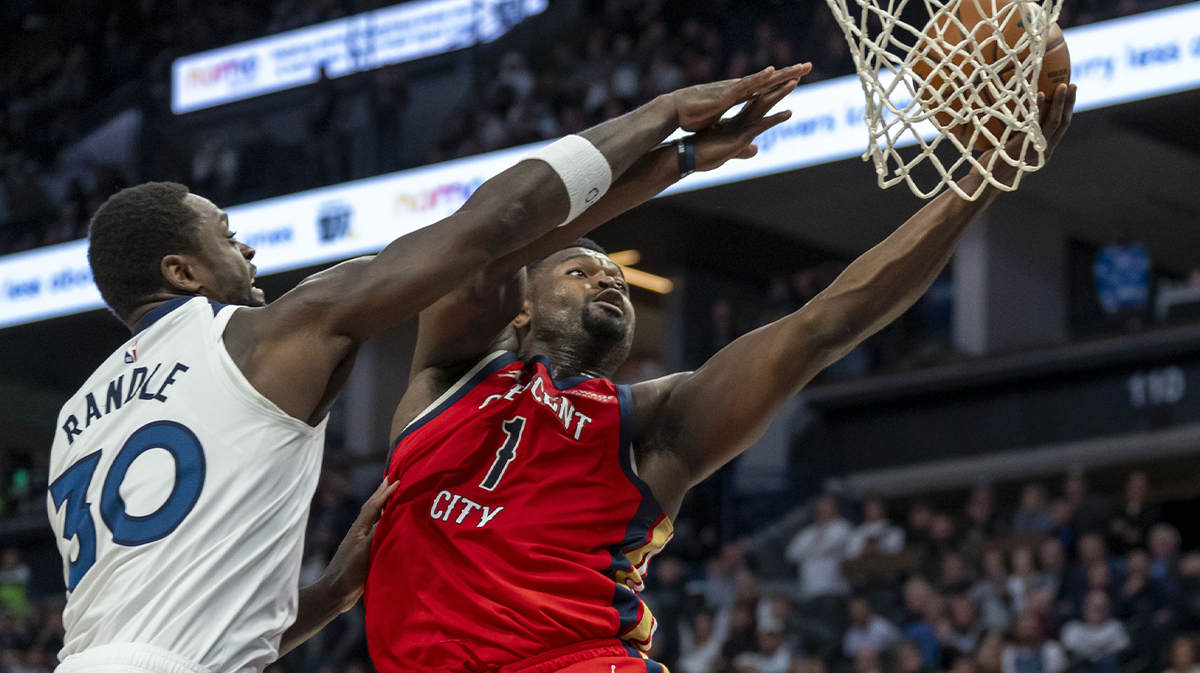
(768, 79)
(749, 84)
(1056, 115)
(758, 107)
(790, 73)
(374, 504)
(1068, 109)
(770, 122)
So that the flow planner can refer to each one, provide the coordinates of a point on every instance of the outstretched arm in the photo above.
(465, 322)
(694, 423)
(292, 349)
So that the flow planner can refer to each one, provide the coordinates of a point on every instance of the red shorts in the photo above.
(595, 656)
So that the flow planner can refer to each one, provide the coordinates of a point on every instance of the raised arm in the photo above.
(293, 349)
(692, 424)
(466, 321)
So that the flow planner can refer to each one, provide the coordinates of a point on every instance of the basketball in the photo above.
(952, 49)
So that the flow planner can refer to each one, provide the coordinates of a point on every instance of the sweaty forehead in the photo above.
(582, 255)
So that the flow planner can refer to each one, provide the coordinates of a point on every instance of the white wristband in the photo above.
(583, 170)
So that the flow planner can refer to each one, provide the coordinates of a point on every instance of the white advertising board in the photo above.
(1127, 59)
(404, 32)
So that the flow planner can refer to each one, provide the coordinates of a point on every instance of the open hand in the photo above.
(733, 138)
(701, 106)
(347, 571)
(1055, 117)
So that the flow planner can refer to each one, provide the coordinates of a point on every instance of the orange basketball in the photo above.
(948, 72)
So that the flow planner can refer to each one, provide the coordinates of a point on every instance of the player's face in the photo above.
(223, 265)
(579, 293)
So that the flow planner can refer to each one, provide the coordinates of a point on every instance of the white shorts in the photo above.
(128, 658)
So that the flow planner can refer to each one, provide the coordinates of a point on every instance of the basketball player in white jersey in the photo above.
(182, 470)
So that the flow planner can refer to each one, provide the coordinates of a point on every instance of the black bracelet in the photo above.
(687, 156)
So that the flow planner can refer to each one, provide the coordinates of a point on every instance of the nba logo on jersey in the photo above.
(131, 354)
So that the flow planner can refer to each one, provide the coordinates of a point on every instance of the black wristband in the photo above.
(687, 156)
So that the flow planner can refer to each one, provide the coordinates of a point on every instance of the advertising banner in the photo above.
(1127, 59)
(405, 32)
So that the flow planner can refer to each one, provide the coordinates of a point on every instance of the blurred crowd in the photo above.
(31, 628)
(1074, 584)
(1067, 584)
(68, 68)
(919, 338)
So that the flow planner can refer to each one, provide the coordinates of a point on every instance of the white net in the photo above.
(964, 82)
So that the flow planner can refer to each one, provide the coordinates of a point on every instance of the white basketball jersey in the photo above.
(179, 497)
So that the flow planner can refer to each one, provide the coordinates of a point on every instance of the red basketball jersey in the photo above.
(519, 527)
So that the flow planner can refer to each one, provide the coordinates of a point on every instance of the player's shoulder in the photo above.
(650, 395)
(175, 316)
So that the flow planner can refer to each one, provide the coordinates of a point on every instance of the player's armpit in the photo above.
(658, 464)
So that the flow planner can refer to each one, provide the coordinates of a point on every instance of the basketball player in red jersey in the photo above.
(532, 491)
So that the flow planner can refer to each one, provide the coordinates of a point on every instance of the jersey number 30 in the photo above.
(128, 530)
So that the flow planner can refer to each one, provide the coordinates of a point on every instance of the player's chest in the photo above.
(519, 445)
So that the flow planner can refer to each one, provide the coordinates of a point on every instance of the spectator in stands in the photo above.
(775, 655)
(984, 517)
(920, 520)
(1030, 652)
(665, 588)
(1183, 656)
(14, 579)
(819, 550)
(955, 574)
(910, 658)
(1090, 551)
(876, 534)
(1089, 513)
(1097, 641)
(1100, 578)
(1041, 605)
(924, 607)
(1034, 516)
(808, 665)
(1133, 522)
(990, 657)
(1063, 512)
(991, 591)
(743, 633)
(867, 661)
(723, 573)
(1053, 561)
(1144, 607)
(1164, 556)
(959, 635)
(1187, 601)
(1024, 579)
(868, 631)
(701, 644)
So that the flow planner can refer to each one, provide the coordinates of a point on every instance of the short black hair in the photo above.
(130, 234)
(585, 243)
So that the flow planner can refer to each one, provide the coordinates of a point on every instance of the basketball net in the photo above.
(976, 91)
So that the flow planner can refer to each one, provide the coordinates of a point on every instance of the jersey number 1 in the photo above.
(512, 430)
(128, 530)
